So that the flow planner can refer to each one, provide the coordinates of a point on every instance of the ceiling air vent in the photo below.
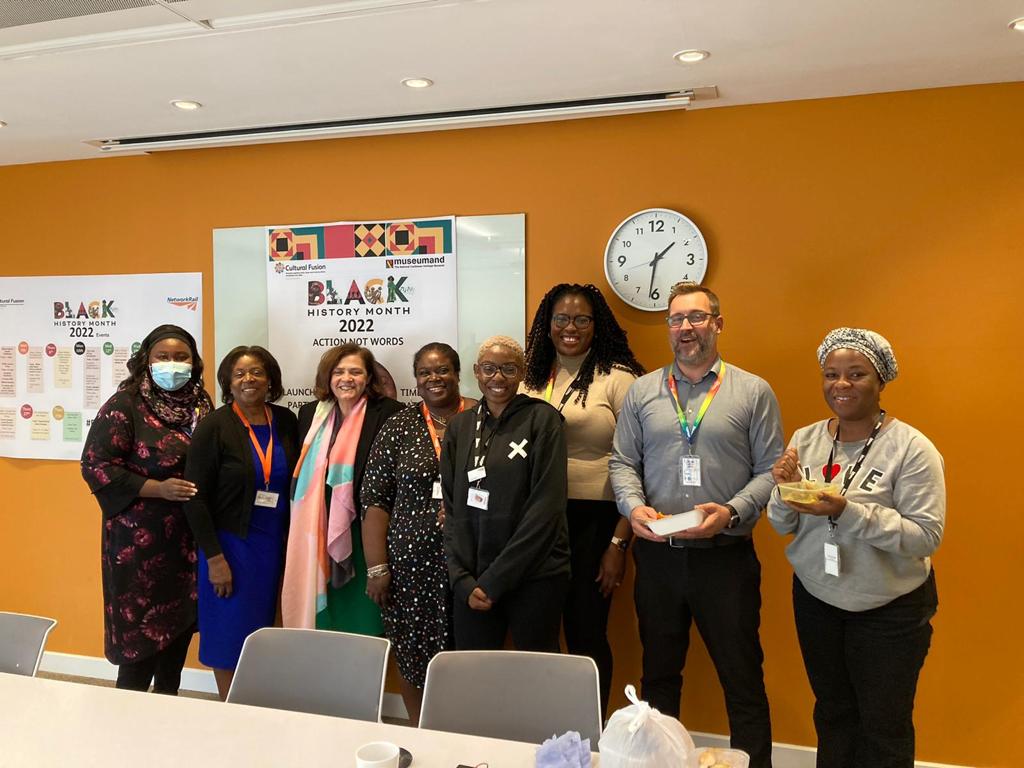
(20, 13)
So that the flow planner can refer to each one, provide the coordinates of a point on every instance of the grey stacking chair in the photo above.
(310, 670)
(514, 695)
(22, 640)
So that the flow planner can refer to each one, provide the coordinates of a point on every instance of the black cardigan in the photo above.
(377, 412)
(220, 464)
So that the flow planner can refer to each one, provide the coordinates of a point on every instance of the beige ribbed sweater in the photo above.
(589, 430)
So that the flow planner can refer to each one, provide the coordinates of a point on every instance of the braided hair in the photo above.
(609, 347)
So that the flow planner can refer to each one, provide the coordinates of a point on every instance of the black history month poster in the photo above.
(64, 343)
(389, 286)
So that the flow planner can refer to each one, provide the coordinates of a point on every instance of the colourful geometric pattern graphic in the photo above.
(401, 239)
(433, 237)
(364, 239)
(282, 245)
(339, 241)
(369, 239)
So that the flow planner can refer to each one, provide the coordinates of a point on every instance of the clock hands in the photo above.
(654, 267)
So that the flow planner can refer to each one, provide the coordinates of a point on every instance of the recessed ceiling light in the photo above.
(417, 82)
(185, 105)
(690, 56)
(1017, 24)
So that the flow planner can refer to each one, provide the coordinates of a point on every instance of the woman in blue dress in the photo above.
(241, 461)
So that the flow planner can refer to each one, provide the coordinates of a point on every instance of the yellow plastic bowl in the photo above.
(807, 491)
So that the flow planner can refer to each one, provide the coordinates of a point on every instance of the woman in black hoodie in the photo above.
(503, 476)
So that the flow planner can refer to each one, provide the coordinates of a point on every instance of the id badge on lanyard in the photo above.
(264, 497)
(831, 549)
(476, 496)
(689, 471)
(689, 464)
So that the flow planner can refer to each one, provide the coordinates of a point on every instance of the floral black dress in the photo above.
(148, 554)
(400, 475)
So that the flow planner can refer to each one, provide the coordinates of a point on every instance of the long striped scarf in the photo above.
(318, 535)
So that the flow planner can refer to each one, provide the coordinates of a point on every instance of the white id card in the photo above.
(831, 558)
(266, 499)
(436, 493)
(478, 498)
(689, 470)
(476, 474)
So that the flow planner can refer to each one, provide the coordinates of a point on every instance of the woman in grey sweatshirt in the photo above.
(863, 587)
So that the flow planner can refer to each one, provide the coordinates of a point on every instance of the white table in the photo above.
(56, 723)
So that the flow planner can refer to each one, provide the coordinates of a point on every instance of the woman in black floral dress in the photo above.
(402, 533)
(133, 461)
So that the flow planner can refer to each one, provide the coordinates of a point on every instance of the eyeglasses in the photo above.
(508, 370)
(695, 318)
(582, 322)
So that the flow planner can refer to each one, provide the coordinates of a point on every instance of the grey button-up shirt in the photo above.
(738, 440)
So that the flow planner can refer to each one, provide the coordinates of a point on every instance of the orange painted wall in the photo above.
(902, 212)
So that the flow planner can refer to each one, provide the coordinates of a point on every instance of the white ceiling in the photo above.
(479, 53)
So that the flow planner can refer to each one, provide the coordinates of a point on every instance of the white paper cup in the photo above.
(377, 754)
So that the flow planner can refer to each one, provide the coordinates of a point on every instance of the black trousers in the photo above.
(585, 617)
(163, 668)
(531, 613)
(719, 588)
(863, 667)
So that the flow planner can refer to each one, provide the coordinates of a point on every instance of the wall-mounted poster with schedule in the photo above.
(64, 345)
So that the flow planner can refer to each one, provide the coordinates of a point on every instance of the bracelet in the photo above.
(376, 571)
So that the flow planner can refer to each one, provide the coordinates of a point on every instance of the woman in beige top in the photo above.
(578, 359)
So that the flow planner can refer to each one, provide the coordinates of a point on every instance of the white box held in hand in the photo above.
(671, 524)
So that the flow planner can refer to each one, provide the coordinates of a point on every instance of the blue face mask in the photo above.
(170, 376)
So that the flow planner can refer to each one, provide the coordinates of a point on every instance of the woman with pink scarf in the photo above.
(325, 568)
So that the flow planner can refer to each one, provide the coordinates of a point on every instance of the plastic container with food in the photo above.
(719, 757)
(666, 525)
(807, 491)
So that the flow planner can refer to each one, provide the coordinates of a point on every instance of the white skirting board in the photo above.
(783, 755)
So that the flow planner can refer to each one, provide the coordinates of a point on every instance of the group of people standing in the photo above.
(456, 522)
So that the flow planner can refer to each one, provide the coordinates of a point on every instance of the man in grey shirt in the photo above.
(705, 439)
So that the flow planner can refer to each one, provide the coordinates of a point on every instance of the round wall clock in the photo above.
(651, 251)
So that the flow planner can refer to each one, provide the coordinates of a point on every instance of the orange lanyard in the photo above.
(266, 458)
(430, 425)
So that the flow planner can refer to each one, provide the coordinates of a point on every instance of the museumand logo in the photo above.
(185, 302)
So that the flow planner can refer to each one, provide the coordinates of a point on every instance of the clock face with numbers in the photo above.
(650, 252)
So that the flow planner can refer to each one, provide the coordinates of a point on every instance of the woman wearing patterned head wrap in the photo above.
(133, 461)
(863, 588)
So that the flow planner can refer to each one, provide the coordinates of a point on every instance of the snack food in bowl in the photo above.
(716, 757)
(806, 491)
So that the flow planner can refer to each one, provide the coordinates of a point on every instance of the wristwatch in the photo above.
(620, 543)
(734, 517)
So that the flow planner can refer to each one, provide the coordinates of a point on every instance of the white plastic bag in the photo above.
(638, 736)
